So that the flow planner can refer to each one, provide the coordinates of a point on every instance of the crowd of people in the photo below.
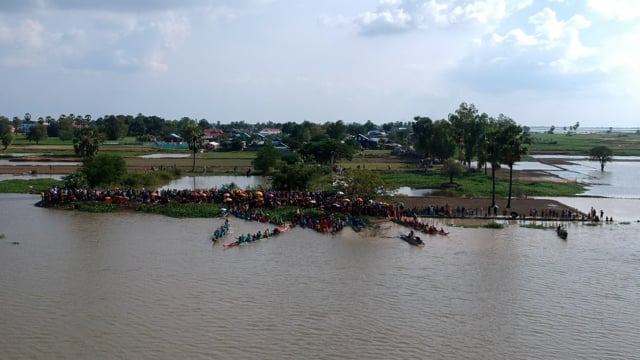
(246, 203)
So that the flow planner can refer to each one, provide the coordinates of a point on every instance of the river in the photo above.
(128, 285)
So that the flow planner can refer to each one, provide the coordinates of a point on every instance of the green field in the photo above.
(396, 171)
(579, 144)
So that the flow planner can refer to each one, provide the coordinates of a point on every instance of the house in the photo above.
(376, 133)
(269, 132)
(173, 138)
(365, 142)
(212, 134)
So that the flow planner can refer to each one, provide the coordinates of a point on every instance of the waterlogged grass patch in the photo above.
(625, 223)
(24, 186)
(96, 207)
(184, 210)
(493, 225)
(535, 226)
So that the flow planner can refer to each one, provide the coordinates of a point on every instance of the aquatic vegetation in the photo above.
(535, 226)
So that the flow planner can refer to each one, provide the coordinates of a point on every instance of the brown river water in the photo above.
(134, 286)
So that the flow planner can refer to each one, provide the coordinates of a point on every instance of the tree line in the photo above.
(465, 137)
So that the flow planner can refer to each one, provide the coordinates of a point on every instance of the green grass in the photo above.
(579, 144)
(35, 186)
(189, 210)
(96, 207)
(536, 226)
(478, 184)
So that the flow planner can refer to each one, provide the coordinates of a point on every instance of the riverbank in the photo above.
(481, 206)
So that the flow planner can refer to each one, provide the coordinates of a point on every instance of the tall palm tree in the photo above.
(194, 137)
(515, 142)
(493, 154)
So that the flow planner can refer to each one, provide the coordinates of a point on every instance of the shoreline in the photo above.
(480, 205)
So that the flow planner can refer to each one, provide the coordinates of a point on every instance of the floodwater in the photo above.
(128, 285)
(210, 182)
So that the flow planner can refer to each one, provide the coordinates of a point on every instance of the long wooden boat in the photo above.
(274, 232)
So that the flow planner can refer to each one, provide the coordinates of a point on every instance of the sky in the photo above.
(540, 62)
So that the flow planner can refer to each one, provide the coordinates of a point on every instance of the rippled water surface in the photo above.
(137, 286)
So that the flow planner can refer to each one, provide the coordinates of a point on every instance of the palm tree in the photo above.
(194, 137)
(515, 145)
(493, 154)
(86, 142)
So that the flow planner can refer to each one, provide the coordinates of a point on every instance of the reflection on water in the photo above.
(620, 209)
(38, 163)
(130, 285)
(28, 177)
(405, 190)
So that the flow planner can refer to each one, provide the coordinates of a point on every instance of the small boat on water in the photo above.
(411, 239)
(562, 232)
(249, 238)
(221, 231)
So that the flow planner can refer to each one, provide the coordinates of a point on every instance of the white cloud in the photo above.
(173, 28)
(23, 43)
(553, 37)
(616, 9)
(392, 16)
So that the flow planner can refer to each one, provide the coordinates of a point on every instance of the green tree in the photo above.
(7, 139)
(75, 180)
(194, 136)
(115, 127)
(104, 170)
(336, 130)
(327, 151)
(293, 177)
(423, 131)
(37, 133)
(65, 128)
(480, 149)
(602, 154)
(462, 122)
(266, 158)
(17, 123)
(515, 144)
(451, 168)
(87, 141)
(442, 144)
(203, 124)
(5, 125)
(363, 183)
(493, 154)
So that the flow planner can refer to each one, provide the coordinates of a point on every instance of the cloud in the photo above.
(173, 28)
(22, 44)
(97, 40)
(130, 6)
(550, 36)
(98, 5)
(624, 10)
(545, 54)
(394, 16)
